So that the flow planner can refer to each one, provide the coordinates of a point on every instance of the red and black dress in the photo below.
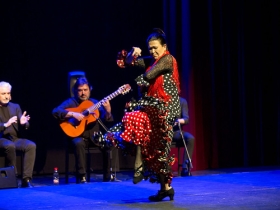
(149, 121)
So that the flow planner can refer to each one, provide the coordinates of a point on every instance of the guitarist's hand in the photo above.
(78, 116)
(107, 106)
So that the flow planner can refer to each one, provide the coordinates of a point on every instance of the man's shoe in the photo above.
(25, 183)
(185, 172)
(83, 180)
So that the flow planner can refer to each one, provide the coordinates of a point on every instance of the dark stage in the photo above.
(246, 188)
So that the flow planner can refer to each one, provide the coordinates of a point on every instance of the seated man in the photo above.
(81, 90)
(189, 139)
(11, 121)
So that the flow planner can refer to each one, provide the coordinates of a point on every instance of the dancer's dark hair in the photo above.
(159, 35)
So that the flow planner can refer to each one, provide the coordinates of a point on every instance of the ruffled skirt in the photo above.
(146, 123)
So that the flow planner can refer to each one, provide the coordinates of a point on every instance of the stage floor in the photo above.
(250, 188)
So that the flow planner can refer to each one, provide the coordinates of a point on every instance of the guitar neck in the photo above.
(109, 97)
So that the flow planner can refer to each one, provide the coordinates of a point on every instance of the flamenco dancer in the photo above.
(148, 122)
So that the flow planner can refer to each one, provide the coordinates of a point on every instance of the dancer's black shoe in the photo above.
(138, 175)
(162, 194)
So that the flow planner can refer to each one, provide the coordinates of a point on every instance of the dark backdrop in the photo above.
(227, 53)
(229, 57)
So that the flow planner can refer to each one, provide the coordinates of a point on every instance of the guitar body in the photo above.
(75, 128)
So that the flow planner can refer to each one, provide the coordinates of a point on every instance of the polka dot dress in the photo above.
(149, 123)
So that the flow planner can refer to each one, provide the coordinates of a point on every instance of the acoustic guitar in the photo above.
(73, 128)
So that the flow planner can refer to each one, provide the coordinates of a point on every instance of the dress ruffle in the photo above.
(146, 123)
(137, 128)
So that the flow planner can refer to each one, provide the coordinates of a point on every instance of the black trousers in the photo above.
(189, 139)
(80, 145)
(24, 145)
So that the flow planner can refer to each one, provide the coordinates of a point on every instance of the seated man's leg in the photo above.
(106, 154)
(189, 140)
(10, 152)
(29, 149)
(80, 156)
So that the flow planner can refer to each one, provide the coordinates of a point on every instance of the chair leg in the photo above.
(88, 165)
(179, 161)
(66, 166)
(77, 173)
(107, 163)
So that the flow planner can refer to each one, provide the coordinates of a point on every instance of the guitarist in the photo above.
(81, 90)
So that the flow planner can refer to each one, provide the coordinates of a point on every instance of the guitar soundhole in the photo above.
(73, 121)
(85, 113)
